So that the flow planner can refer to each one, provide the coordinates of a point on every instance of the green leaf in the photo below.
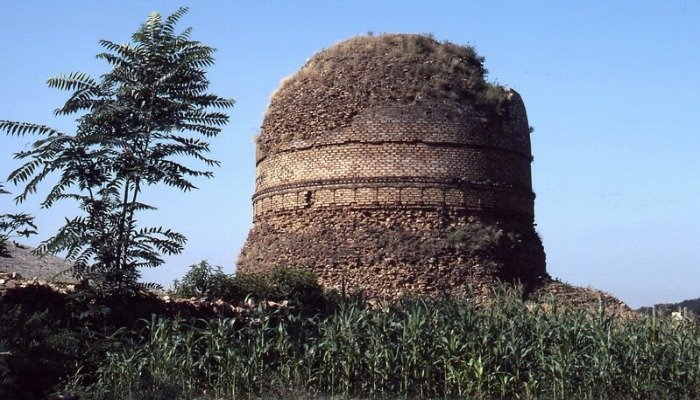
(78, 81)
(21, 128)
(130, 134)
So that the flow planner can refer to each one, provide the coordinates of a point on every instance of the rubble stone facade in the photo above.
(424, 196)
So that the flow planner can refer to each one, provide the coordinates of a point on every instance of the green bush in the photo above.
(297, 286)
(203, 280)
(47, 336)
(37, 349)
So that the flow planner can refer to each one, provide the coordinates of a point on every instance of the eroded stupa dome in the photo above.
(337, 84)
(389, 164)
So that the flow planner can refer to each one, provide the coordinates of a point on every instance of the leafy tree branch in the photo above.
(135, 126)
(14, 225)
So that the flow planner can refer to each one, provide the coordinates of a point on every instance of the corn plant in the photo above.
(418, 349)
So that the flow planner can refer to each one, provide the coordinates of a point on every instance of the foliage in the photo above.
(692, 305)
(38, 347)
(510, 254)
(46, 335)
(131, 133)
(14, 224)
(203, 280)
(414, 349)
(298, 286)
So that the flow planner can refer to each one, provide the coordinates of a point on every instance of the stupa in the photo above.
(389, 165)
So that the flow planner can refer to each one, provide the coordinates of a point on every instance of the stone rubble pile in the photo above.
(14, 280)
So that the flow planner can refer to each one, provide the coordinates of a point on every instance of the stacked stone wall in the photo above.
(389, 253)
(405, 156)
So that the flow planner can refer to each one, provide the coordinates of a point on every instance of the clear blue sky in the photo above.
(612, 89)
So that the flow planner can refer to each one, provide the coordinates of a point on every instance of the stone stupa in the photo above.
(389, 165)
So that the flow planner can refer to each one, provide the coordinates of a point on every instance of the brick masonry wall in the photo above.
(426, 198)
(387, 194)
(405, 155)
(425, 121)
(390, 159)
(389, 253)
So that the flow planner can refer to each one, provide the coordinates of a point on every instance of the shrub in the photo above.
(298, 286)
(203, 280)
(47, 336)
(37, 349)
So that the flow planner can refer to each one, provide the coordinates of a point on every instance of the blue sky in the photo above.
(611, 88)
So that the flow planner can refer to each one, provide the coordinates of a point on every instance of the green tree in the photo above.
(137, 124)
(14, 224)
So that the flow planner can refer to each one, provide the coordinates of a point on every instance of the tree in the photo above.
(14, 224)
(137, 123)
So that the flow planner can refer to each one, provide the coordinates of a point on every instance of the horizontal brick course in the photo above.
(358, 195)
(358, 160)
(406, 148)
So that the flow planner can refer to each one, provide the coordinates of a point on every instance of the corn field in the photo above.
(414, 349)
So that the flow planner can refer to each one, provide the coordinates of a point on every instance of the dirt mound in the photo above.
(21, 259)
(550, 293)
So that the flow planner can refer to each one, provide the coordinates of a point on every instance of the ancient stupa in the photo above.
(388, 164)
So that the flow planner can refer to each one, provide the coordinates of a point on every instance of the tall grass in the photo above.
(417, 349)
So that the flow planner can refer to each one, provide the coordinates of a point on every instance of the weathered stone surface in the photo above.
(394, 252)
(398, 180)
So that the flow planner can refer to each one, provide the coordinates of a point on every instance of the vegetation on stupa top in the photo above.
(366, 71)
